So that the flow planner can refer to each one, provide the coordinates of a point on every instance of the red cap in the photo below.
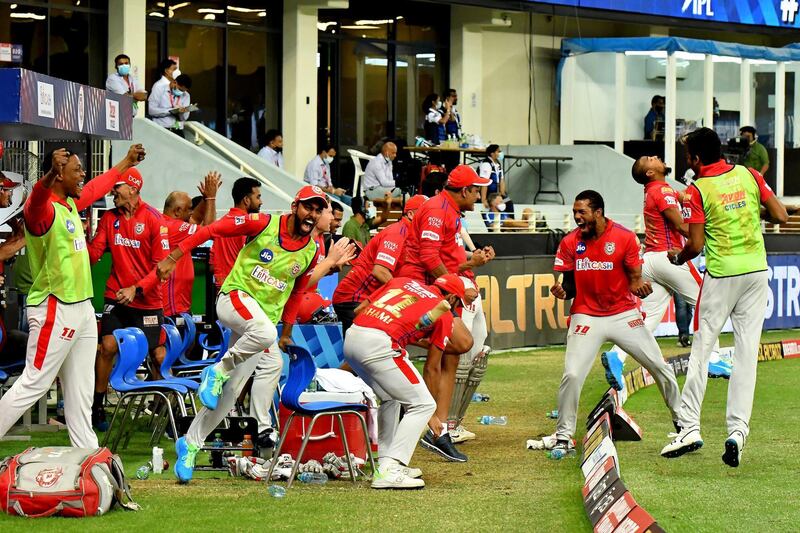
(131, 177)
(414, 203)
(465, 176)
(309, 305)
(7, 183)
(452, 284)
(310, 192)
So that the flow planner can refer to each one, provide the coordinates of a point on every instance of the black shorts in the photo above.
(346, 313)
(116, 316)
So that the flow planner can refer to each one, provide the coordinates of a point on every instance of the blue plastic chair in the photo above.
(195, 366)
(132, 352)
(301, 372)
(189, 335)
(3, 377)
(173, 347)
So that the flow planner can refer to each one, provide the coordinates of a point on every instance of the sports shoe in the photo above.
(394, 477)
(733, 449)
(461, 434)
(614, 367)
(688, 440)
(413, 473)
(184, 464)
(684, 340)
(443, 445)
(266, 439)
(720, 369)
(211, 384)
(99, 421)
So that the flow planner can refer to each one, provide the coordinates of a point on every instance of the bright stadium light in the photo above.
(658, 54)
(726, 59)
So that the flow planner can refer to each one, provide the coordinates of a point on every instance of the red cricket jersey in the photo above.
(396, 309)
(137, 244)
(177, 290)
(320, 240)
(696, 213)
(386, 249)
(225, 250)
(434, 239)
(600, 264)
(660, 236)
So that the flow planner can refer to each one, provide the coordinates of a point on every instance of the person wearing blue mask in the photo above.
(492, 168)
(122, 81)
(170, 107)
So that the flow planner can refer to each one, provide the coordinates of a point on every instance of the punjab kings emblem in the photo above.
(610, 247)
(296, 269)
(139, 228)
(48, 477)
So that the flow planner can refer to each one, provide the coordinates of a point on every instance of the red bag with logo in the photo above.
(63, 481)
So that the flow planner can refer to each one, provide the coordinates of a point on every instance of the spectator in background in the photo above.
(654, 120)
(338, 216)
(170, 108)
(453, 126)
(436, 116)
(757, 157)
(364, 219)
(123, 82)
(318, 172)
(500, 217)
(273, 148)
(167, 72)
(378, 177)
(492, 168)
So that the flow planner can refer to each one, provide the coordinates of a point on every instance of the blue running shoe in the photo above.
(184, 464)
(719, 369)
(614, 367)
(211, 384)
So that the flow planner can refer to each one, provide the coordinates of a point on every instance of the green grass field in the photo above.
(504, 487)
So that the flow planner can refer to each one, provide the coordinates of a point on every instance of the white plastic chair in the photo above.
(357, 158)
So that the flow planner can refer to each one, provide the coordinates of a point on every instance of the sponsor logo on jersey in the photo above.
(80, 244)
(116, 224)
(588, 264)
(430, 235)
(610, 247)
(386, 258)
(435, 222)
(150, 320)
(238, 221)
(192, 229)
(389, 245)
(671, 200)
(119, 240)
(266, 255)
(164, 244)
(580, 248)
(70, 226)
(558, 262)
(184, 226)
(638, 323)
(254, 216)
(734, 200)
(686, 212)
(666, 190)
(262, 275)
(139, 228)
(296, 268)
(163, 230)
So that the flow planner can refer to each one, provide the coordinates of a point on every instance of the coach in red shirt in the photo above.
(603, 275)
(137, 240)
(246, 194)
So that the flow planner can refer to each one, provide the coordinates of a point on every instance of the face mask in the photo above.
(501, 157)
(501, 207)
(439, 105)
(372, 211)
(177, 92)
(124, 70)
(328, 160)
(279, 149)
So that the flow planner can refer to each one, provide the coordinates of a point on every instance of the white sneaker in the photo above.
(413, 473)
(394, 477)
(688, 440)
(733, 449)
(461, 434)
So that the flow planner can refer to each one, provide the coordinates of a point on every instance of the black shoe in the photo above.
(443, 445)
(684, 340)
(99, 420)
(266, 439)
(678, 426)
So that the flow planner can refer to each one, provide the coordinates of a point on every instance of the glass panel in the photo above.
(154, 49)
(764, 112)
(791, 158)
(208, 11)
(26, 26)
(364, 103)
(247, 55)
(251, 12)
(199, 51)
(418, 75)
(727, 91)
(69, 45)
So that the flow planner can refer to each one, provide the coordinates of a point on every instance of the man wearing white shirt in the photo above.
(169, 107)
(378, 176)
(123, 82)
(318, 172)
(273, 149)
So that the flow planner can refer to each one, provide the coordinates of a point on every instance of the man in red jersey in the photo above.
(137, 240)
(376, 264)
(402, 312)
(181, 222)
(602, 273)
(246, 195)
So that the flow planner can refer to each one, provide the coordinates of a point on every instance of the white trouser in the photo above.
(475, 321)
(252, 349)
(63, 344)
(585, 336)
(666, 278)
(743, 299)
(397, 383)
(377, 193)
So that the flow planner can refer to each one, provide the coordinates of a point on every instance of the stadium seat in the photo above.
(301, 372)
(3, 377)
(173, 347)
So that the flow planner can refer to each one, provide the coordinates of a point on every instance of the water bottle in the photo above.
(559, 453)
(216, 456)
(315, 478)
(488, 420)
(247, 445)
(143, 472)
(60, 408)
(276, 491)
(552, 414)
(313, 386)
(478, 397)
(158, 460)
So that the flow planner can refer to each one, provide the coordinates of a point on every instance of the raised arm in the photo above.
(101, 185)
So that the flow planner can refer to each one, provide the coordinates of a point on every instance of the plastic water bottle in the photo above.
(478, 397)
(276, 491)
(247, 445)
(313, 386)
(488, 420)
(216, 456)
(552, 414)
(143, 472)
(158, 460)
(316, 478)
(560, 453)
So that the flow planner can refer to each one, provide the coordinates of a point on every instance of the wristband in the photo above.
(210, 198)
(169, 256)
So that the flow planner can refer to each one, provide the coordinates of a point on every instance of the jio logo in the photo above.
(581, 247)
(70, 226)
(266, 255)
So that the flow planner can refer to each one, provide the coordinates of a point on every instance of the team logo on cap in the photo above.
(266, 255)
(580, 248)
(70, 226)
(139, 228)
(610, 247)
(316, 189)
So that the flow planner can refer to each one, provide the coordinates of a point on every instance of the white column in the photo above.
(300, 80)
(127, 31)
(780, 125)
(671, 111)
(620, 75)
(745, 94)
(796, 110)
(708, 92)
(567, 91)
(360, 113)
(466, 63)
(412, 108)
